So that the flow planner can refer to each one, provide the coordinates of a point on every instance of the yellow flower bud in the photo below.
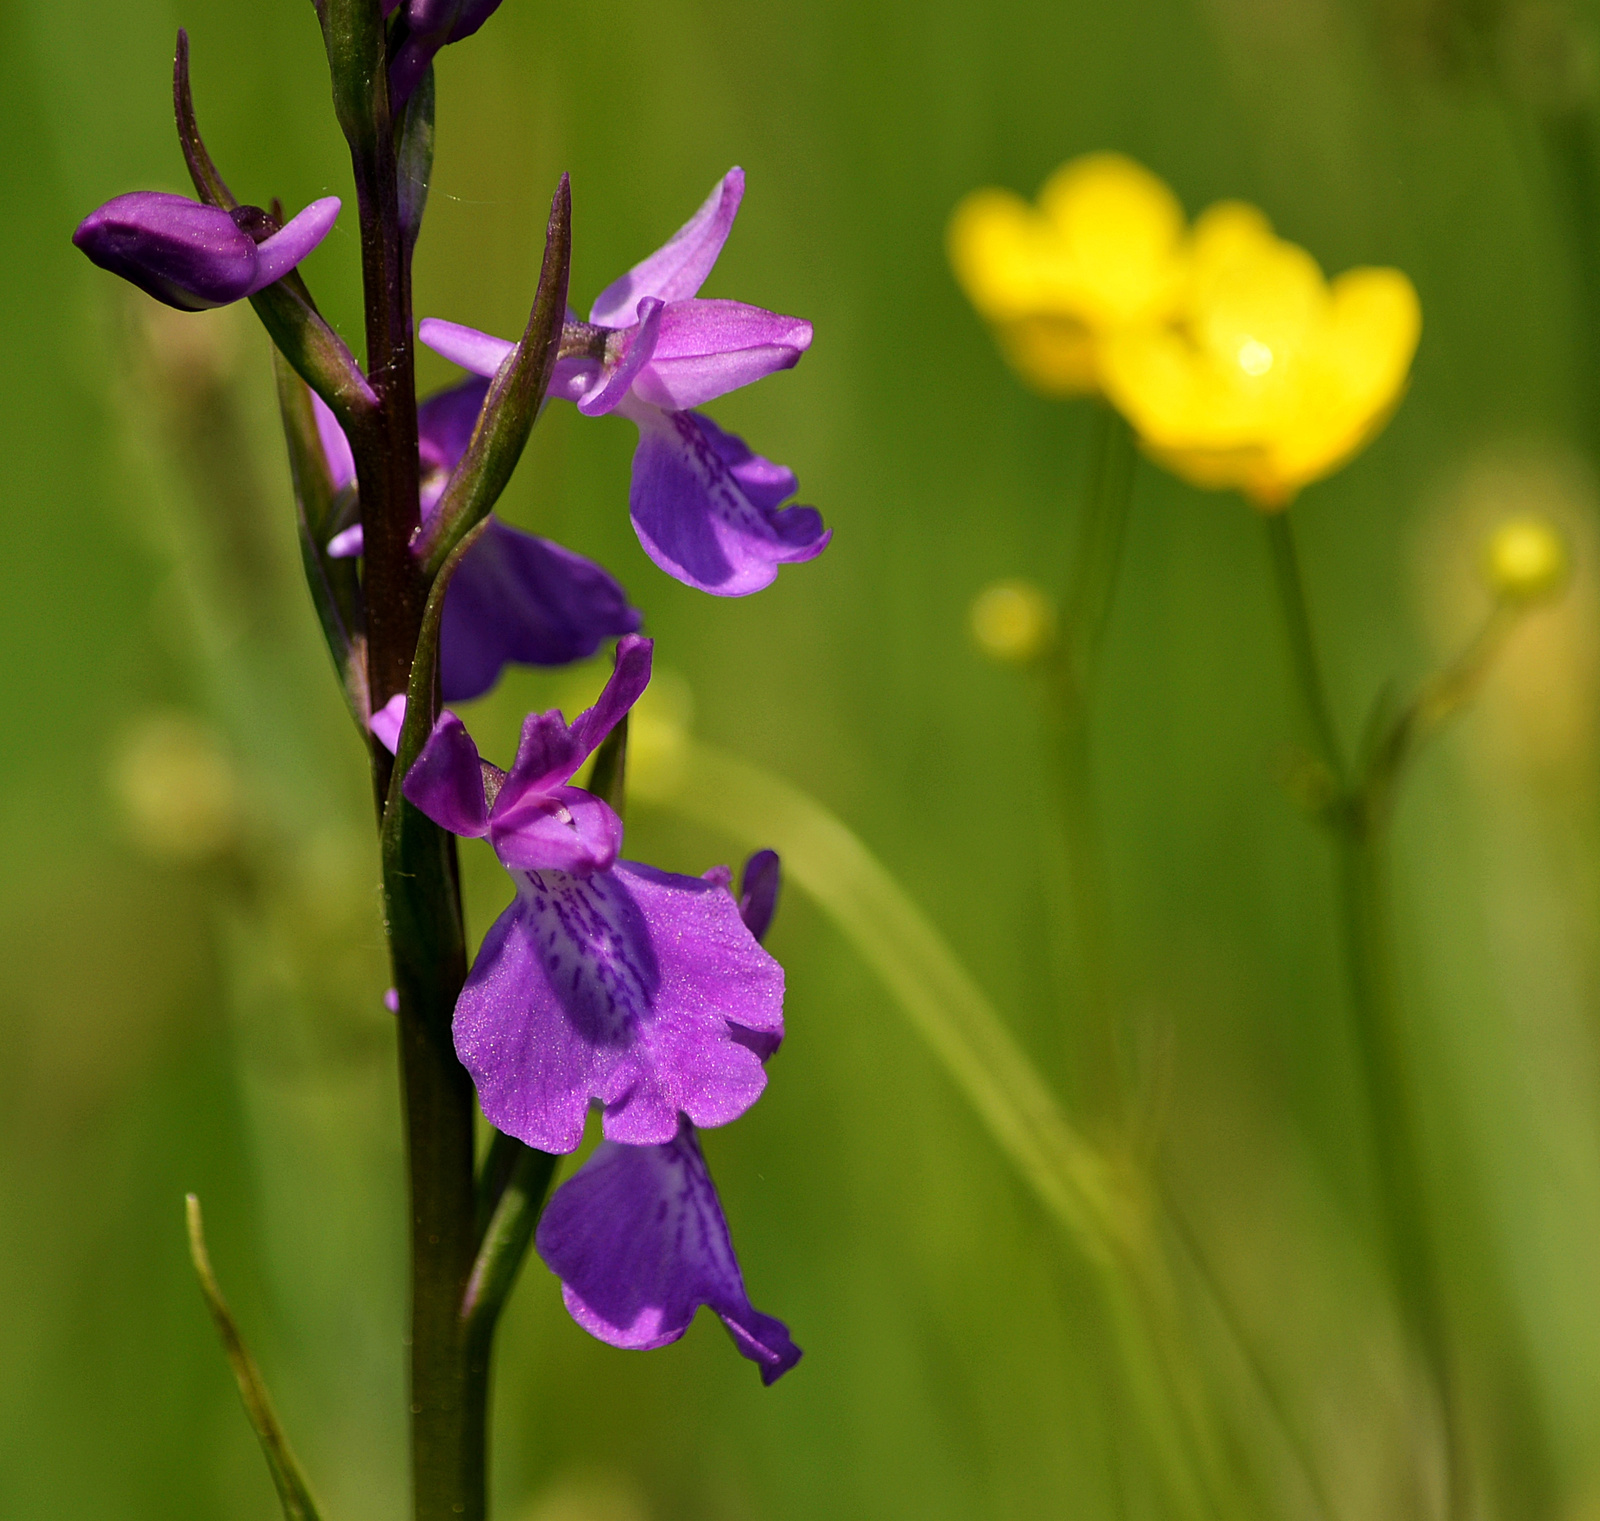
(1013, 621)
(178, 791)
(1526, 559)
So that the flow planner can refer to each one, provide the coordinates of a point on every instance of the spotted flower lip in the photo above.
(605, 979)
(638, 1236)
(652, 351)
(193, 256)
(516, 598)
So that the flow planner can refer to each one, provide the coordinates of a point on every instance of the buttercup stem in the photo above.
(1097, 558)
(1360, 842)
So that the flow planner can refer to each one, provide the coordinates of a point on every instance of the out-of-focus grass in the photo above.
(211, 1019)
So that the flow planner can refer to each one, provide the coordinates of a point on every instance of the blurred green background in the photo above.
(189, 998)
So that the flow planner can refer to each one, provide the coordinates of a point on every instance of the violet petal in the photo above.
(676, 270)
(639, 1240)
(481, 353)
(518, 598)
(758, 892)
(695, 516)
(278, 254)
(565, 829)
(610, 386)
(446, 781)
(708, 348)
(627, 987)
(184, 254)
(335, 446)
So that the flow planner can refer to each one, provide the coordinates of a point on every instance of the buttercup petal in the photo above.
(676, 270)
(639, 1240)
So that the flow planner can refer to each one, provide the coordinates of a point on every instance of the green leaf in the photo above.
(335, 585)
(292, 1490)
(506, 1236)
(352, 32)
(512, 405)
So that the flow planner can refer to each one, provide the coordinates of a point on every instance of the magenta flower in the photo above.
(639, 1241)
(604, 979)
(192, 256)
(429, 26)
(516, 598)
(707, 510)
(638, 1237)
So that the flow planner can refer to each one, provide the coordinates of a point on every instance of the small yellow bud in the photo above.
(1013, 621)
(178, 791)
(1526, 559)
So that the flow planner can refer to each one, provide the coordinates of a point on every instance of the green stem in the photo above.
(1357, 818)
(1100, 1087)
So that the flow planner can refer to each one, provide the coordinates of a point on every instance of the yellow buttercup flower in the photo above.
(1270, 376)
(1101, 251)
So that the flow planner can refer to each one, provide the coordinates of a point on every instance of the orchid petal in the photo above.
(611, 385)
(566, 829)
(184, 254)
(628, 986)
(446, 781)
(347, 544)
(386, 724)
(482, 353)
(335, 446)
(639, 1240)
(445, 422)
(758, 892)
(695, 516)
(518, 598)
(676, 270)
(708, 348)
(278, 254)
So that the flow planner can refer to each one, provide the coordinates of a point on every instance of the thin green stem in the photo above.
(1303, 646)
(1100, 1086)
(1357, 821)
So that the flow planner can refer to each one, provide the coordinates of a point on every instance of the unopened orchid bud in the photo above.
(1526, 559)
(1013, 621)
(431, 25)
(192, 256)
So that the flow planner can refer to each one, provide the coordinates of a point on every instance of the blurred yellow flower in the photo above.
(1526, 558)
(1013, 622)
(1271, 376)
(1102, 250)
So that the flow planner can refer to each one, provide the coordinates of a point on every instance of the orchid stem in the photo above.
(423, 920)
(1082, 867)
(1357, 817)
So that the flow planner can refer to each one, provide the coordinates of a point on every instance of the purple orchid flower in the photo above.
(638, 1237)
(706, 508)
(430, 25)
(516, 598)
(192, 256)
(604, 979)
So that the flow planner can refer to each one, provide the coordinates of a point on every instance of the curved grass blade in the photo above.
(292, 1491)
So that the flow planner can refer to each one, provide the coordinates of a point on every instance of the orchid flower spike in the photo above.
(604, 980)
(638, 1237)
(516, 598)
(193, 256)
(706, 508)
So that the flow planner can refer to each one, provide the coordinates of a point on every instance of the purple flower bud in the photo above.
(192, 256)
(430, 25)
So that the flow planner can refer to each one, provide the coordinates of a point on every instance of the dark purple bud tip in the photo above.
(192, 256)
(758, 892)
